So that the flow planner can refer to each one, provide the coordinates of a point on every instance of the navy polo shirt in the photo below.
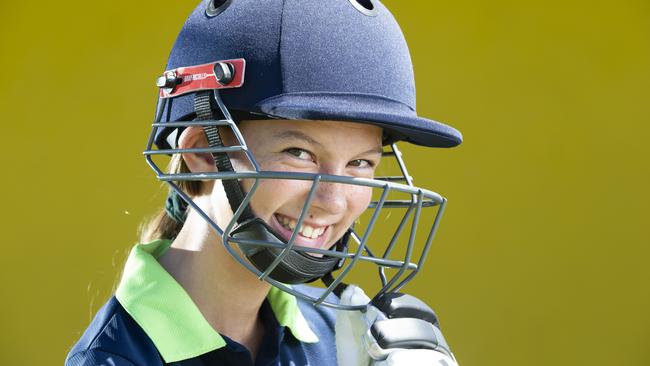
(152, 321)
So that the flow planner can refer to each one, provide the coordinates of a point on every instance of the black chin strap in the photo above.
(204, 112)
(328, 279)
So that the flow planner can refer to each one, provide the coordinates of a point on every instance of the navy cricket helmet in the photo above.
(339, 60)
(309, 59)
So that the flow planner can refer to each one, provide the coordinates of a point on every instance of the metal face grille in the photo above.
(398, 257)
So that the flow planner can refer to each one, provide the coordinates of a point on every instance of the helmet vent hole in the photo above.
(216, 7)
(366, 7)
(366, 4)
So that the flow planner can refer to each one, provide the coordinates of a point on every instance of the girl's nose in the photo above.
(330, 198)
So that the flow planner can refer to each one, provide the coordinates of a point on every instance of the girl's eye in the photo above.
(362, 163)
(300, 153)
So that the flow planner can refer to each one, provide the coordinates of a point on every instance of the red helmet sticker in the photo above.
(214, 75)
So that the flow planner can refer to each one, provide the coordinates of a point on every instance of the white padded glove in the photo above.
(416, 357)
(355, 345)
(351, 327)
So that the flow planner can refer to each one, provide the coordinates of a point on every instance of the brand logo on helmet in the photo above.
(188, 78)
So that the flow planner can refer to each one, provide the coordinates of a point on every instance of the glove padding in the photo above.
(356, 345)
(416, 357)
(351, 326)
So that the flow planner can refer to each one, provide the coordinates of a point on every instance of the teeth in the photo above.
(305, 230)
(318, 232)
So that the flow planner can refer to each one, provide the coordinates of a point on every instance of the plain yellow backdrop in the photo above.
(542, 256)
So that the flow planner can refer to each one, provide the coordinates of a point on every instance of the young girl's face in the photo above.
(323, 147)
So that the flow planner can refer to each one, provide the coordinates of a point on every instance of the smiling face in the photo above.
(317, 147)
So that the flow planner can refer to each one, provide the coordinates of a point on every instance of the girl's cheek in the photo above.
(359, 198)
(272, 194)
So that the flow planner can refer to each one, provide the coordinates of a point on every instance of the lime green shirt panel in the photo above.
(170, 318)
(285, 308)
(162, 307)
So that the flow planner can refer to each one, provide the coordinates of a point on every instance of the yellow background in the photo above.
(542, 257)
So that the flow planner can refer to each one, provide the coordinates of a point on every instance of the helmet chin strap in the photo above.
(296, 267)
(204, 111)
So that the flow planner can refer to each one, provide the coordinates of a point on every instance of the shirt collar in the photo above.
(170, 318)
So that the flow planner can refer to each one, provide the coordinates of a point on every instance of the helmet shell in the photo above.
(309, 59)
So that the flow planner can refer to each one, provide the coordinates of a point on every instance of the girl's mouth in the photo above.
(308, 235)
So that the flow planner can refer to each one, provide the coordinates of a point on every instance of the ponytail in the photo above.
(161, 225)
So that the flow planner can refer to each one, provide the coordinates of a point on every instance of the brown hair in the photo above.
(160, 225)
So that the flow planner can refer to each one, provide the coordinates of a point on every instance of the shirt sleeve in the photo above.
(96, 357)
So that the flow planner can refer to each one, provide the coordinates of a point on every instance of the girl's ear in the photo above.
(194, 137)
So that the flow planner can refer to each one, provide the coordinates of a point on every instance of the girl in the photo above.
(276, 114)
